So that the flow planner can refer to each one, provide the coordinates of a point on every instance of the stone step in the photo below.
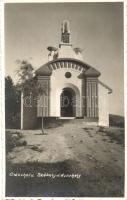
(67, 118)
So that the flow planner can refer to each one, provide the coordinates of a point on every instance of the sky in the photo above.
(97, 28)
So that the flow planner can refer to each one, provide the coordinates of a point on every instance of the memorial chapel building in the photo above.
(72, 87)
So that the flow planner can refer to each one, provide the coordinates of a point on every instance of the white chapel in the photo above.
(73, 89)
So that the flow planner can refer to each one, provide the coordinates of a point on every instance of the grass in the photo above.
(114, 134)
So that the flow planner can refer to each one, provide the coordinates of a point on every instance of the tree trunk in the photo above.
(42, 122)
(21, 110)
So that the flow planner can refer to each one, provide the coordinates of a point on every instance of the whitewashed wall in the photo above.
(103, 104)
(59, 82)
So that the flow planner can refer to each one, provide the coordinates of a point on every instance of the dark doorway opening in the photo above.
(67, 100)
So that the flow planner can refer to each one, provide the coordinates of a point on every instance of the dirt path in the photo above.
(72, 148)
(70, 141)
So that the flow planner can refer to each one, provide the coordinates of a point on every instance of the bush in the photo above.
(13, 140)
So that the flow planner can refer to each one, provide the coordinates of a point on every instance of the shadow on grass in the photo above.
(40, 186)
(98, 183)
(41, 134)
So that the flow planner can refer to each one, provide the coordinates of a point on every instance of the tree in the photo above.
(28, 83)
(12, 104)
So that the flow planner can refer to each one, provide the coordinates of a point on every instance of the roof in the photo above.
(44, 70)
(107, 87)
(89, 71)
(92, 72)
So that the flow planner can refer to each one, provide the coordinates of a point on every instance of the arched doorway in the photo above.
(67, 102)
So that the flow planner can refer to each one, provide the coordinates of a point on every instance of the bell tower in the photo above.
(65, 47)
(65, 32)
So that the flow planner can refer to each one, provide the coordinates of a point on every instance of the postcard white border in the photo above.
(2, 99)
